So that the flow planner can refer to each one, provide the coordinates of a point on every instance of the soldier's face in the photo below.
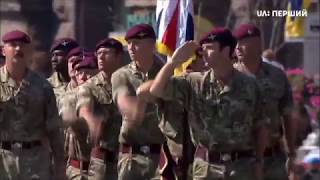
(248, 48)
(83, 74)
(198, 65)
(140, 49)
(107, 57)
(58, 60)
(71, 70)
(16, 52)
(212, 53)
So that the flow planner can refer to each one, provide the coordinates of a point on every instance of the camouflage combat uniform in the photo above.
(139, 146)
(28, 117)
(96, 93)
(57, 84)
(222, 119)
(77, 146)
(278, 102)
(178, 149)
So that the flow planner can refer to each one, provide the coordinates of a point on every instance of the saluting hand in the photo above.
(184, 52)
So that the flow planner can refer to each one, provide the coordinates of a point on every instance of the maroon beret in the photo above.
(110, 43)
(221, 35)
(87, 61)
(64, 44)
(140, 31)
(77, 51)
(246, 30)
(16, 35)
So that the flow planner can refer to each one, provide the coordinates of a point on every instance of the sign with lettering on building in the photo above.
(130, 3)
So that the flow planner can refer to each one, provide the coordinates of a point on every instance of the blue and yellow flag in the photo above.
(294, 27)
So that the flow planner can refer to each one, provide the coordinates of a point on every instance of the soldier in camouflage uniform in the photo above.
(223, 110)
(277, 100)
(174, 125)
(177, 152)
(95, 100)
(28, 114)
(140, 143)
(60, 76)
(73, 57)
(77, 145)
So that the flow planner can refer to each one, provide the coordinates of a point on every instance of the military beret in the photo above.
(77, 51)
(110, 43)
(140, 31)
(16, 35)
(221, 35)
(87, 61)
(64, 44)
(245, 31)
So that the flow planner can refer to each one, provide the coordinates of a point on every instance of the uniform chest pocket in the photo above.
(208, 106)
(6, 93)
(241, 109)
(103, 96)
(135, 81)
(269, 90)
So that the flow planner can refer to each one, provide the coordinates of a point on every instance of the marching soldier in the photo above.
(96, 106)
(223, 110)
(77, 145)
(178, 149)
(28, 114)
(140, 143)
(277, 99)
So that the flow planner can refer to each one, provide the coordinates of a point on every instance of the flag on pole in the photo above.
(294, 27)
(174, 24)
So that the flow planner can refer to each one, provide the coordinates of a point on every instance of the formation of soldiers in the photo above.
(97, 119)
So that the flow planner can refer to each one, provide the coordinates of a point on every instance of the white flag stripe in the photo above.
(167, 7)
(186, 7)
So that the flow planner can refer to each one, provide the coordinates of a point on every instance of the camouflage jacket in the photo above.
(172, 124)
(28, 110)
(125, 81)
(276, 96)
(96, 94)
(221, 117)
(57, 84)
(77, 145)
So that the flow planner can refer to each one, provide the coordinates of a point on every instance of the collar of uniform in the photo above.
(56, 81)
(135, 70)
(133, 67)
(99, 79)
(151, 74)
(225, 87)
(70, 86)
(263, 70)
(5, 77)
